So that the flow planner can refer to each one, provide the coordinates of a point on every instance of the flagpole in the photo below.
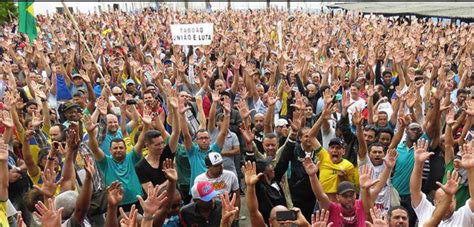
(74, 23)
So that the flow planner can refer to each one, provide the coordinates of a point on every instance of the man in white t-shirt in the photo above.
(373, 156)
(425, 211)
(221, 179)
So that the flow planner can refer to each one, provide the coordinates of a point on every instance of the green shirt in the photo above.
(404, 167)
(182, 165)
(125, 173)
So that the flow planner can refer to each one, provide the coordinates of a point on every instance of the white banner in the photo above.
(192, 34)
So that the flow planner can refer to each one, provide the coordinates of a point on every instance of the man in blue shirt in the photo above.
(119, 166)
(198, 150)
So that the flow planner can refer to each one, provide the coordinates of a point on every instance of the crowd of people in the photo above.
(340, 119)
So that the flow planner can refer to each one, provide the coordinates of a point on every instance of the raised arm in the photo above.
(211, 124)
(146, 119)
(93, 144)
(114, 197)
(173, 109)
(467, 162)
(269, 115)
(3, 171)
(225, 123)
(421, 155)
(187, 139)
(390, 160)
(85, 196)
(251, 178)
(200, 114)
(32, 168)
(450, 189)
(357, 121)
(403, 123)
(311, 169)
(68, 172)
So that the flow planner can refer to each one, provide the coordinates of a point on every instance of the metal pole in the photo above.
(74, 23)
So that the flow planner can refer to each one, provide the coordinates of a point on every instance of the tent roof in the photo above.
(461, 10)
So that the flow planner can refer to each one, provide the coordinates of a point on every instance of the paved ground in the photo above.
(244, 212)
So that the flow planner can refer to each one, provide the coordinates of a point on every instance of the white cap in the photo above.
(213, 158)
(281, 122)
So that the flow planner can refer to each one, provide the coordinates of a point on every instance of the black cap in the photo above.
(344, 187)
(337, 141)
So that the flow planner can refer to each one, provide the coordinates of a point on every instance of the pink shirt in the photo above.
(335, 215)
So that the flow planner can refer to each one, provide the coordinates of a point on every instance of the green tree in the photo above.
(8, 11)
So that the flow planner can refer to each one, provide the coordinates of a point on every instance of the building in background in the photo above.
(91, 7)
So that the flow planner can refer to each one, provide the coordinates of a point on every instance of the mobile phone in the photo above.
(289, 215)
(131, 102)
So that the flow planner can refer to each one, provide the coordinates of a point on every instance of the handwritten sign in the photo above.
(192, 34)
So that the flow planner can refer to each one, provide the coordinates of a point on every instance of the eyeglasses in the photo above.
(117, 94)
(203, 138)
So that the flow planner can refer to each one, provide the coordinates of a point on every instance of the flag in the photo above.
(27, 22)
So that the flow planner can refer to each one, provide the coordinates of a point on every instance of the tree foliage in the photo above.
(8, 11)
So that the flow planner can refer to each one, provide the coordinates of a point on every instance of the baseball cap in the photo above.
(129, 81)
(337, 141)
(70, 105)
(204, 191)
(344, 187)
(213, 159)
(76, 75)
(281, 122)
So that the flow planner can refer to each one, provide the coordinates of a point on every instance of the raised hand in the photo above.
(49, 186)
(309, 166)
(421, 153)
(90, 126)
(154, 201)
(169, 170)
(365, 177)
(357, 117)
(391, 158)
(451, 186)
(229, 210)
(320, 219)
(49, 215)
(377, 218)
(299, 104)
(114, 194)
(250, 173)
(73, 137)
(102, 105)
(297, 121)
(19, 220)
(247, 133)
(327, 96)
(146, 118)
(129, 220)
(37, 119)
(243, 109)
(6, 119)
(467, 156)
(469, 109)
(90, 168)
(326, 113)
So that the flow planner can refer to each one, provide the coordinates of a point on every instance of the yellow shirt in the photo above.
(34, 148)
(328, 172)
(3, 214)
